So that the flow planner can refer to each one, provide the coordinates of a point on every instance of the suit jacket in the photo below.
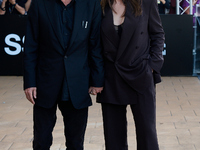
(46, 62)
(129, 60)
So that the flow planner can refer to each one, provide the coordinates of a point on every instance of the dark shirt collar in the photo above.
(69, 5)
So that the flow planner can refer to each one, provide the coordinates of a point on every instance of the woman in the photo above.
(133, 39)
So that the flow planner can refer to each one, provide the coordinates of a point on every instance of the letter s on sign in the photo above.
(12, 44)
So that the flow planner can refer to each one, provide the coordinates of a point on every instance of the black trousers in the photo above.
(115, 124)
(75, 121)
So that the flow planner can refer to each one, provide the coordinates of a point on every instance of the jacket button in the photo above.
(65, 57)
(142, 32)
(136, 47)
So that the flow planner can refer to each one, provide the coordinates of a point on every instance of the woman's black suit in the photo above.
(129, 80)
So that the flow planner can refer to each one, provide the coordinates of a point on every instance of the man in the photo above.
(13, 7)
(163, 5)
(62, 65)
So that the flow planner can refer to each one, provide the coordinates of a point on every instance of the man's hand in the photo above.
(95, 90)
(30, 94)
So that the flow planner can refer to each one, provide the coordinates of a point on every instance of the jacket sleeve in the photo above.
(31, 47)
(156, 34)
(95, 51)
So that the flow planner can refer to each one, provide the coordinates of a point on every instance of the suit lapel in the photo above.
(52, 12)
(80, 8)
(128, 29)
(108, 27)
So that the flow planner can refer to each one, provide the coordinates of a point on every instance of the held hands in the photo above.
(95, 90)
(30, 94)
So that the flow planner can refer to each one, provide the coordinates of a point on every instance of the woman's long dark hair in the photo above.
(135, 4)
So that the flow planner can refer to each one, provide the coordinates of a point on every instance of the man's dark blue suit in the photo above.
(45, 58)
(46, 62)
